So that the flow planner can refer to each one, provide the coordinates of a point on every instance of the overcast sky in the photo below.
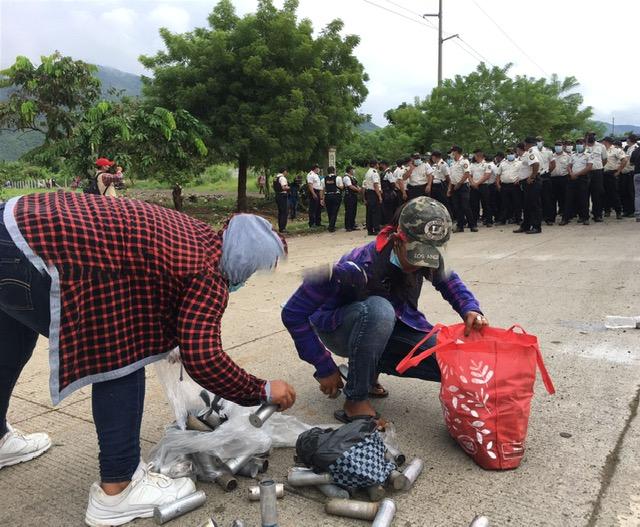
(589, 39)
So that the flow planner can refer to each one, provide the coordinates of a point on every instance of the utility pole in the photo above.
(440, 39)
(613, 125)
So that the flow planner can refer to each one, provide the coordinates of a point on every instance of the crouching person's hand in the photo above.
(282, 394)
(331, 384)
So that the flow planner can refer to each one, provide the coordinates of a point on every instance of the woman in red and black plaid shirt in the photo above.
(116, 285)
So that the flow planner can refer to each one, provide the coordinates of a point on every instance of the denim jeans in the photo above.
(374, 341)
(24, 313)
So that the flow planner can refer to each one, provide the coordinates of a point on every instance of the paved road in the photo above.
(559, 285)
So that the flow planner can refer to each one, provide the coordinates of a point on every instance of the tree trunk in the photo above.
(243, 165)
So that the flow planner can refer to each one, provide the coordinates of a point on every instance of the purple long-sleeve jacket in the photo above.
(320, 305)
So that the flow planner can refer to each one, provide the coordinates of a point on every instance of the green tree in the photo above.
(490, 110)
(50, 98)
(149, 141)
(269, 91)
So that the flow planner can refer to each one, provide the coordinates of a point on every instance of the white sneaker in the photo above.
(146, 490)
(16, 447)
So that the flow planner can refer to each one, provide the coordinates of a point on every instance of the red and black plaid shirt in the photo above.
(136, 280)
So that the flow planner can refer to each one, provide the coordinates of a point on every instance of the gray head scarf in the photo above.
(249, 244)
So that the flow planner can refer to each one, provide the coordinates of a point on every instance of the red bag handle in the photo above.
(409, 361)
(546, 378)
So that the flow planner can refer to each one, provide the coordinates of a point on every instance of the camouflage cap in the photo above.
(427, 225)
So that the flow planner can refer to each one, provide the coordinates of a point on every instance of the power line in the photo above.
(509, 38)
(396, 13)
(482, 57)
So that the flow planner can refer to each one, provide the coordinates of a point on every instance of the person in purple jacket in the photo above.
(365, 307)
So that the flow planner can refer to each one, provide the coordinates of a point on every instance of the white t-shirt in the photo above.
(440, 172)
(370, 179)
(528, 159)
(581, 160)
(390, 177)
(420, 174)
(599, 155)
(313, 179)
(458, 169)
(629, 167)
(615, 156)
(544, 156)
(399, 172)
(509, 171)
(562, 164)
(479, 170)
(283, 181)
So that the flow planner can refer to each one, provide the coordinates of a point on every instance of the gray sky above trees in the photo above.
(595, 42)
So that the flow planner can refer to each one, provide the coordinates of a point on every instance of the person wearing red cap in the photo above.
(106, 181)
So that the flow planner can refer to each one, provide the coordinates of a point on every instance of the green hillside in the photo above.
(14, 144)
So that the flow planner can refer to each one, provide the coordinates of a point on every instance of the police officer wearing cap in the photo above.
(332, 187)
(351, 194)
(458, 192)
(508, 185)
(417, 177)
(316, 199)
(390, 193)
(531, 187)
(545, 155)
(480, 176)
(366, 309)
(616, 160)
(596, 178)
(577, 197)
(373, 198)
(559, 168)
(281, 188)
(439, 179)
(625, 181)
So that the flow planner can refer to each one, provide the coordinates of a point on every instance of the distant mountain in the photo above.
(620, 129)
(14, 144)
(367, 127)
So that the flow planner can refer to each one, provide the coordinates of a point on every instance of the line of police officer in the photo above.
(528, 185)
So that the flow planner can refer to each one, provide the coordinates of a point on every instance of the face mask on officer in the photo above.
(511, 157)
(579, 148)
(540, 144)
(417, 162)
(558, 149)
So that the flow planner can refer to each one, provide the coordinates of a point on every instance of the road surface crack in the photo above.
(612, 461)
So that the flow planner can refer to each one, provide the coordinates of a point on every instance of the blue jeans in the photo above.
(24, 313)
(375, 342)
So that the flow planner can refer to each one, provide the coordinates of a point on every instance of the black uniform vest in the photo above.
(330, 185)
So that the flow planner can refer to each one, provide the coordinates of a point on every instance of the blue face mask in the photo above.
(511, 157)
(579, 148)
(234, 287)
(393, 258)
(417, 162)
(558, 149)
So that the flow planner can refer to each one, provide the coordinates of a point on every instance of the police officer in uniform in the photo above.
(398, 175)
(577, 197)
(351, 194)
(616, 160)
(545, 155)
(281, 188)
(316, 199)
(390, 193)
(531, 187)
(625, 181)
(508, 185)
(458, 192)
(480, 174)
(596, 178)
(559, 172)
(417, 176)
(332, 186)
(373, 198)
(439, 179)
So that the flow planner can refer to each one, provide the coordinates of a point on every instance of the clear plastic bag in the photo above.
(235, 437)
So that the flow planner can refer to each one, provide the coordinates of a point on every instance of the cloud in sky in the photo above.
(589, 40)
